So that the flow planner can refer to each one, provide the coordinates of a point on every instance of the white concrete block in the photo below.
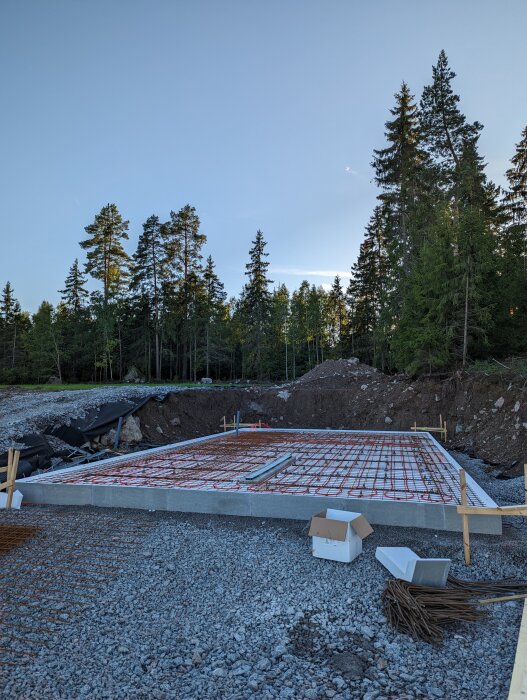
(404, 563)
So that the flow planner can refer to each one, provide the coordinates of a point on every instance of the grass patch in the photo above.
(511, 366)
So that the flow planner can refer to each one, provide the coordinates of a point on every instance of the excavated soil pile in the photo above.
(486, 415)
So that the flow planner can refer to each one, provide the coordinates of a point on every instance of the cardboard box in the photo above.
(338, 534)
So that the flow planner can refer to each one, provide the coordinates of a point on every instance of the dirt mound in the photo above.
(337, 370)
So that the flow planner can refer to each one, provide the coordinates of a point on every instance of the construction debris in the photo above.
(424, 611)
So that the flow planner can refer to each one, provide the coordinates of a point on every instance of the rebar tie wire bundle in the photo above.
(424, 611)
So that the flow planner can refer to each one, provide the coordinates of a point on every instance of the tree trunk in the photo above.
(465, 324)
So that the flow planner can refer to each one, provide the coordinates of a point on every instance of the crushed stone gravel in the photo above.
(236, 608)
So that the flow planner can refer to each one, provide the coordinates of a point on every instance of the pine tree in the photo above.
(74, 295)
(107, 261)
(256, 306)
(444, 128)
(184, 242)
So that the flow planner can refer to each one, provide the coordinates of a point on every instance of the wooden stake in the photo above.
(525, 481)
(502, 599)
(518, 686)
(464, 503)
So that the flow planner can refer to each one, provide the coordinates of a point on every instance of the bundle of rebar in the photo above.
(424, 611)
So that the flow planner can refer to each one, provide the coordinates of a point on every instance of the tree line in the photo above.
(440, 279)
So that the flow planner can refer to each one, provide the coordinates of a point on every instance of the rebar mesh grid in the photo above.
(53, 576)
(370, 465)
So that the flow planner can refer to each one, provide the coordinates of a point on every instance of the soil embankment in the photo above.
(486, 415)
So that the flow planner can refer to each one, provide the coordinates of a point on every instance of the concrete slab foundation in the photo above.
(393, 478)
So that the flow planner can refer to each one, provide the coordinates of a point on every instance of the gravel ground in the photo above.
(223, 607)
(24, 412)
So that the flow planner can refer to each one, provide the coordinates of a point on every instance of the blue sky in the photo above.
(260, 114)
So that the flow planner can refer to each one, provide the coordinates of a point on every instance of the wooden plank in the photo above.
(466, 533)
(498, 510)
(518, 686)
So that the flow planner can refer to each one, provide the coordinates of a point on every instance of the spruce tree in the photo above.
(74, 295)
(279, 350)
(475, 265)
(10, 322)
(511, 328)
(256, 300)
(44, 346)
(214, 307)
(515, 199)
(184, 242)
(425, 335)
(337, 317)
(149, 272)
(444, 127)
(368, 291)
(400, 172)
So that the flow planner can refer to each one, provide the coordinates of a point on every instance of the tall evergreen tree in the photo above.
(44, 344)
(256, 306)
(444, 128)
(400, 172)
(337, 314)
(149, 272)
(107, 261)
(11, 321)
(214, 308)
(511, 329)
(368, 290)
(475, 253)
(184, 243)
(74, 295)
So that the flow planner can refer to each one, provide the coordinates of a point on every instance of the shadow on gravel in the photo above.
(350, 654)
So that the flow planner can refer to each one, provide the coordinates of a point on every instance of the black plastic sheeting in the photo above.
(36, 455)
(98, 421)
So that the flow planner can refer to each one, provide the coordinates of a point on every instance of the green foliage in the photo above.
(107, 261)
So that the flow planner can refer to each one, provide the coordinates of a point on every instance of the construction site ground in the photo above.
(115, 603)
(131, 604)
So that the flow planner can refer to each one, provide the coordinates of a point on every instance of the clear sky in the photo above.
(260, 114)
